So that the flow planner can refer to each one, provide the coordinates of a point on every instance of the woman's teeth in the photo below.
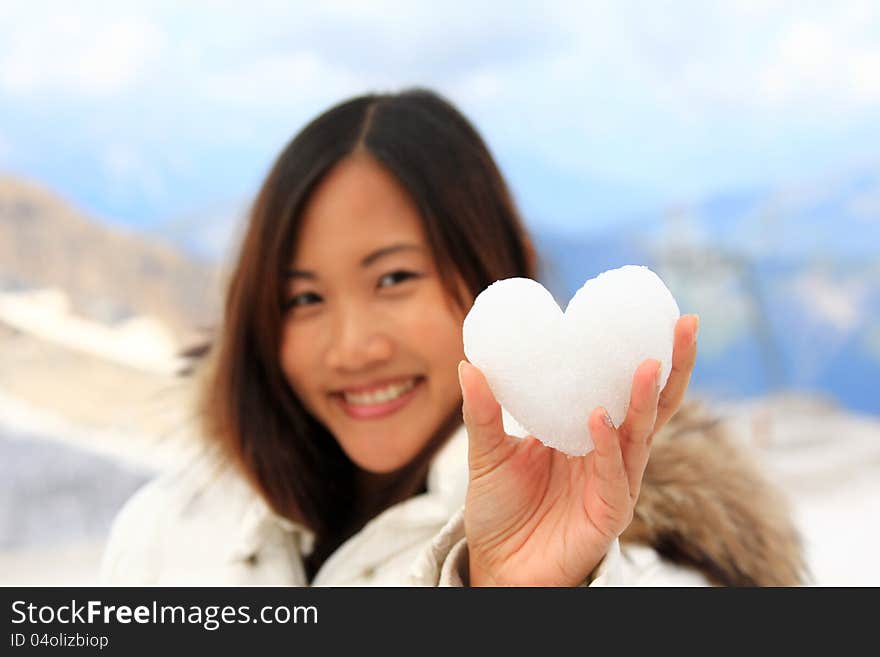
(381, 395)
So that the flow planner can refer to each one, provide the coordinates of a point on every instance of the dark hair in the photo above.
(474, 232)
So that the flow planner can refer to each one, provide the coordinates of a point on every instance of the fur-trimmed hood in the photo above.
(705, 503)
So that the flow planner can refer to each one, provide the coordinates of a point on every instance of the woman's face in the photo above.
(371, 342)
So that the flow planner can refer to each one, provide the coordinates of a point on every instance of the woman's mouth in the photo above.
(379, 402)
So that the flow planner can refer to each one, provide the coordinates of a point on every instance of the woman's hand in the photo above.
(537, 517)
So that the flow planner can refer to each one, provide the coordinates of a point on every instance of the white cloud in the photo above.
(839, 304)
(691, 58)
(821, 62)
(673, 98)
(704, 61)
(278, 78)
(483, 86)
(76, 54)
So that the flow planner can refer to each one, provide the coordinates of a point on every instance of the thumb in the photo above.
(482, 417)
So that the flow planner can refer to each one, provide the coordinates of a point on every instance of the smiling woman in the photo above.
(333, 397)
(333, 381)
(370, 244)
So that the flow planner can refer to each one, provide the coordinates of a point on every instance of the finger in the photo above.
(488, 443)
(638, 427)
(684, 355)
(607, 502)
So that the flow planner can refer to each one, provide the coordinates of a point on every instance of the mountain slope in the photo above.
(110, 275)
(786, 282)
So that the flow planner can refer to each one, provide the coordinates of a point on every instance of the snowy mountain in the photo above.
(109, 275)
(786, 282)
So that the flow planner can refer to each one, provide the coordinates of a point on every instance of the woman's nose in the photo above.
(357, 342)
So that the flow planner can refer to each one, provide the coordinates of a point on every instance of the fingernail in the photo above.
(464, 412)
(607, 419)
(696, 326)
(657, 375)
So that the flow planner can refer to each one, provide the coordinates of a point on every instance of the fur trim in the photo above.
(704, 503)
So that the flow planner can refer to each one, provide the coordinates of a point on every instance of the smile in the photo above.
(381, 401)
(379, 395)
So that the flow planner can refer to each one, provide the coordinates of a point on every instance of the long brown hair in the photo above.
(474, 232)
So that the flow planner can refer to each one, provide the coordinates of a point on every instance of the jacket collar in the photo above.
(448, 472)
(446, 490)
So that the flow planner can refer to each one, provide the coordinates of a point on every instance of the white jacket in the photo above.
(205, 525)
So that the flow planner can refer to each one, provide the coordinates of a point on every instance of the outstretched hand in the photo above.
(537, 517)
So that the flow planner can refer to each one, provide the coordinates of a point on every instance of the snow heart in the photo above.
(550, 369)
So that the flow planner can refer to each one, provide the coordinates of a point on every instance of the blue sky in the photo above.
(146, 112)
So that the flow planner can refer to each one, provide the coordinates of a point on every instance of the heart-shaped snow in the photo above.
(550, 369)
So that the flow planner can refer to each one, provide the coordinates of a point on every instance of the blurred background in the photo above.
(732, 146)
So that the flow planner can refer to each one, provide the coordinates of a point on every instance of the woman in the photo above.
(332, 402)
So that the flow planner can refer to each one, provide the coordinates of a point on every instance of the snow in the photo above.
(827, 461)
(139, 342)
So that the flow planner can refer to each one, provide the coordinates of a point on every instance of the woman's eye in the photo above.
(304, 299)
(395, 277)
